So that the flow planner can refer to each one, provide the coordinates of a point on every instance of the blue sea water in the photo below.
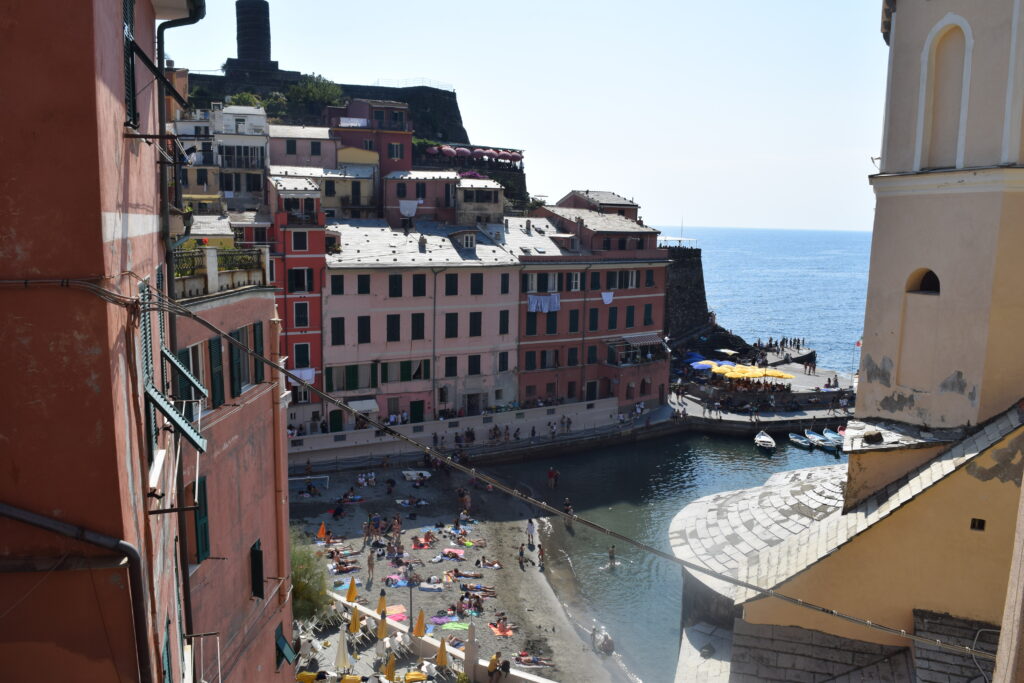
(793, 283)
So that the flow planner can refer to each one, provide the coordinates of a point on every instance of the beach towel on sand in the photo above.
(455, 626)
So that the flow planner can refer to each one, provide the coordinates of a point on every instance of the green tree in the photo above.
(308, 97)
(276, 104)
(309, 578)
(246, 99)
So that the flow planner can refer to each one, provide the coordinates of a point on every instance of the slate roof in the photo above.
(239, 109)
(205, 225)
(345, 171)
(422, 175)
(483, 183)
(538, 242)
(303, 132)
(942, 666)
(293, 183)
(371, 243)
(604, 197)
(601, 222)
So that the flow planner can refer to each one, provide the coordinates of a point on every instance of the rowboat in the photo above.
(819, 440)
(762, 440)
(834, 437)
(801, 441)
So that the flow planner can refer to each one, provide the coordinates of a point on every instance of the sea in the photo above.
(761, 283)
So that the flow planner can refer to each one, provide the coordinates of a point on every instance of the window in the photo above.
(239, 361)
(476, 282)
(977, 524)
(622, 244)
(362, 284)
(329, 188)
(503, 322)
(396, 150)
(476, 324)
(549, 359)
(531, 390)
(337, 331)
(216, 372)
(400, 190)
(253, 182)
(257, 346)
(571, 390)
(363, 323)
(256, 569)
(630, 316)
(301, 314)
(648, 314)
(300, 241)
(273, 270)
(606, 243)
(368, 144)
(201, 176)
(418, 325)
(503, 361)
(595, 281)
(442, 394)
(300, 279)
(633, 279)
(529, 282)
(574, 282)
(574, 320)
(531, 324)
(504, 283)
(451, 284)
(394, 327)
(421, 190)
(591, 355)
(468, 241)
(613, 317)
(649, 279)
(337, 284)
(923, 281)
(574, 357)
(394, 286)
(451, 366)
(551, 322)
(530, 360)
(419, 285)
(451, 325)
(611, 279)
(289, 146)
(594, 313)
(474, 365)
(542, 282)
(314, 148)
(202, 522)
(301, 355)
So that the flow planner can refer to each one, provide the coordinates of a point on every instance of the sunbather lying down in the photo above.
(488, 564)
(525, 657)
(477, 588)
(459, 574)
(457, 643)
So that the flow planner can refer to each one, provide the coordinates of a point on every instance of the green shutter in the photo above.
(235, 361)
(328, 379)
(426, 369)
(202, 522)
(184, 388)
(384, 379)
(256, 569)
(216, 372)
(351, 377)
(373, 375)
(257, 346)
(406, 370)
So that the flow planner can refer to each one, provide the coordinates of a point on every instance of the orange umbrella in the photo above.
(420, 629)
(382, 604)
(321, 533)
(382, 626)
(389, 669)
(354, 622)
(441, 659)
(350, 594)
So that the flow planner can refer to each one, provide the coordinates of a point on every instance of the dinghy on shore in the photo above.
(763, 440)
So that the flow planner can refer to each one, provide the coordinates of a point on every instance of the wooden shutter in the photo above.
(351, 377)
(202, 522)
(405, 370)
(184, 388)
(257, 346)
(256, 569)
(328, 379)
(235, 362)
(216, 373)
(373, 375)
(426, 369)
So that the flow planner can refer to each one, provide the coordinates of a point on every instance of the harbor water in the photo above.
(761, 283)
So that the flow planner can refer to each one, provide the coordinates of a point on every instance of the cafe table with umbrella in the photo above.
(389, 668)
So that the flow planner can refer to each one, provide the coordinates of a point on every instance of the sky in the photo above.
(744, 113)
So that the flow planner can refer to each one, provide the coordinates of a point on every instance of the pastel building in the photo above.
(380, 126)
(302, 146)
(592, 301)
(422, 324)
(343, 190)
(411, 196)
(600, 201)
(480, 200)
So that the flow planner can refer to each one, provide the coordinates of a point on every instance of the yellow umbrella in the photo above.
(722, 369)
(441, 659)
(389, 668)
(709, 363)
(354, 621)
(736, 375)
(350, 595)
(420, 629)
(382, 603)
(786, 375)
(382, 626)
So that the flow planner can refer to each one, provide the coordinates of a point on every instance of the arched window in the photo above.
(923, 281)
(944, 89)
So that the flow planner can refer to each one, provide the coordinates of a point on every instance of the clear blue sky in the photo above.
(740, 114)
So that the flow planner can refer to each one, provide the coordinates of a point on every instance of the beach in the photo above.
(525, 595)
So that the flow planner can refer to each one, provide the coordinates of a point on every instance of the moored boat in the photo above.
(801, 441)
(819, 440)
(834, 437)
(763, 440)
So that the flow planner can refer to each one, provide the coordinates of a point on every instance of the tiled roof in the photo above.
(346, 171)
(370, 243)
(933, 664)
(601, 222)
(205, 225)
(422, 175)
(603, 197)
(303, 132)
(795, 554)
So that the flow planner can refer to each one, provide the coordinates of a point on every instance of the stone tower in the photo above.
(945, 311)
(252, 30)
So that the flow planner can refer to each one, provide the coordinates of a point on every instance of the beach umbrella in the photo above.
(700, 366)
(389, 668)
(736, 375)
(723, 370)
(516, 156)
(382, 626)
(786, 375)
(462, 152)
(350, 594)
(431, 150)
(441, 659)
(726, 362)
(354, 622)
(478, 153)
(341, 662)
(504, 156)
(447, 151)
(708, 363)
(420, 629)
(321, 533)
(382, 602)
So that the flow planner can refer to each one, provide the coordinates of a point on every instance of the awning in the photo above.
(363, 405)
(305, 374)
(646, 339)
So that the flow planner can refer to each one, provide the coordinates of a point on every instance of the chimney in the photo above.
(529, 231)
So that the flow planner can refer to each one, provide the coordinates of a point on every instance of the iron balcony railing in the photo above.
(188, 262)
(239, 259)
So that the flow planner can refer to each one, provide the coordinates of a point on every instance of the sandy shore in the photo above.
(525, 595)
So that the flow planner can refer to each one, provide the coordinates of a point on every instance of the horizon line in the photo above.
(759, 227)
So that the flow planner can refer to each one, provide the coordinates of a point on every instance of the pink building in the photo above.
(411, 196)
(602, 202)
(303, 146)
(380, 126)
(421, 324)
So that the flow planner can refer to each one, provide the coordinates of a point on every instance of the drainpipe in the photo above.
(139, 598)
(197, 11)
(433, 345)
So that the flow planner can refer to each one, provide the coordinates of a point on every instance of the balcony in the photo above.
(208, 270)
(241, 162)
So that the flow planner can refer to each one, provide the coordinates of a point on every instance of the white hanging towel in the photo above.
(532, 302)
(407, 207)
(607, 297)
(556, 301)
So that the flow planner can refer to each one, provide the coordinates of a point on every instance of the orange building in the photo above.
(100, 576)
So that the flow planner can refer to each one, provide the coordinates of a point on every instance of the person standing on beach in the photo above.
(369, 567)
(540, 557)
(530, 529)
(522, 556)
(611, 557)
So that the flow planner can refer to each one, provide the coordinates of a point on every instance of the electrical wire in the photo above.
(163, 303)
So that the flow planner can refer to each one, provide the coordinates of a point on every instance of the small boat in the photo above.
(801, 441)
(819, 440)
(834, 437)
(762, 440)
